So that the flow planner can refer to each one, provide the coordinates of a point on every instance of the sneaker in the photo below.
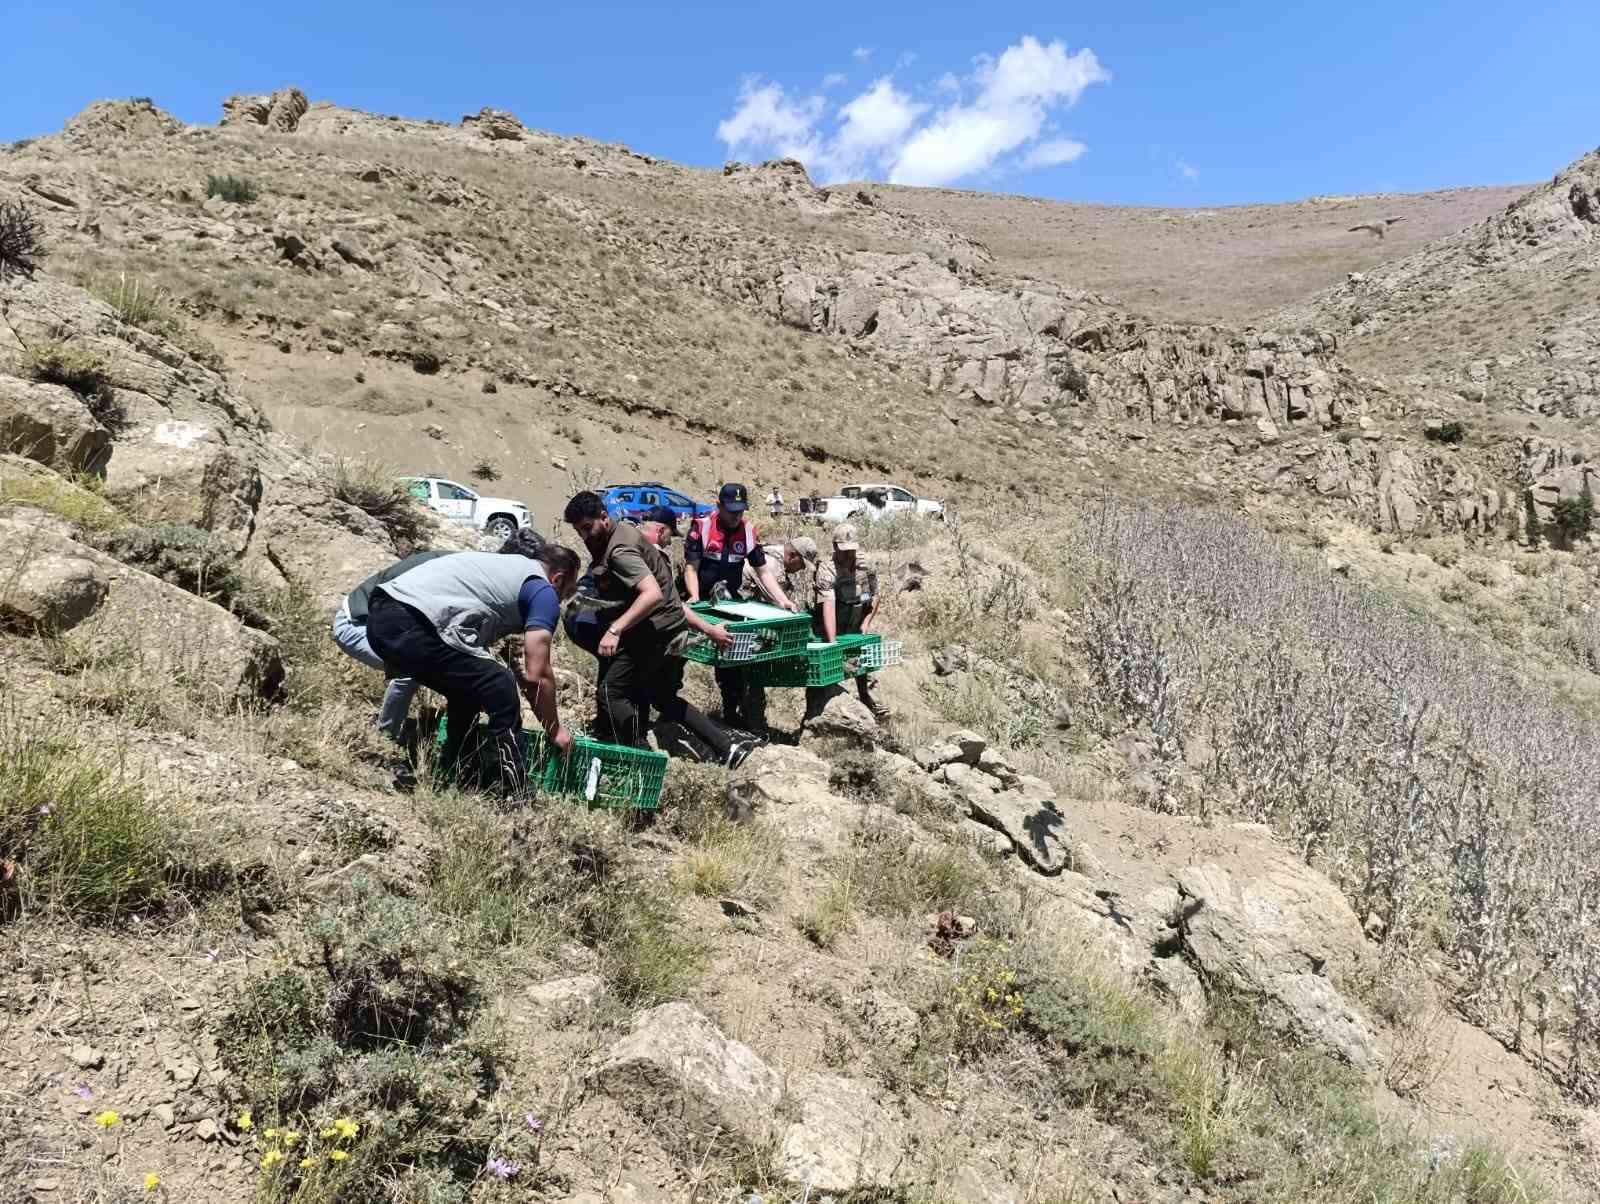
(742, 749)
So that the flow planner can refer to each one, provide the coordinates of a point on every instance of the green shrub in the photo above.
(232, 188)
(193, 559)
(80, 369)
(374, 489)
(357, 1067)
(485, 470)
(557, 872)
(1573, 517)
(21, 240)
(79, 832)
(1451, 432)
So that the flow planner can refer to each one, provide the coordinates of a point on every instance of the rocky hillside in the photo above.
(1227, 263)
(1009, 947)
(549, 301)
(1501, 313)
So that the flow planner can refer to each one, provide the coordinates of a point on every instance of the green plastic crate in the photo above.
(628, 778)
(822, 665)
(771, 633)
(851, 648)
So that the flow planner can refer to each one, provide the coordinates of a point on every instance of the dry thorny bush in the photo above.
(1451, 801)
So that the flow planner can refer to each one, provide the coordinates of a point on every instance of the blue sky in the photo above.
(1156, 103)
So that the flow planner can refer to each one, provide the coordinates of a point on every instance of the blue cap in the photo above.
(733, 498)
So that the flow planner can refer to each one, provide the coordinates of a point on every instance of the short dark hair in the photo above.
(558, 559)
(584, 506)
(524, 541)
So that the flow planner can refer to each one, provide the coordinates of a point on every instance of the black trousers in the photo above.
(411, 647)
(731, 682)
(640, 676)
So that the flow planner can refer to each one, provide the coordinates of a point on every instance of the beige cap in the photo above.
(805, 547)
(844, 538)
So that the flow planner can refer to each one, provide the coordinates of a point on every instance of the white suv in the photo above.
(496, 516)
(881, 499)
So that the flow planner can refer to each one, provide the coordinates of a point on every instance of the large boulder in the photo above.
(45, 587)
(777, 776)
(844, 718)
(139, 622)
(678, 1069)
(1276, 934)
(52, 425)
(842, 1139)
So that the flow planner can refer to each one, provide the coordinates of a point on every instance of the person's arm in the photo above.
(539, 685)
(646, 596)
(691, 566)
(770, 586)
(830, 619)
(866, 621)
(719, 636)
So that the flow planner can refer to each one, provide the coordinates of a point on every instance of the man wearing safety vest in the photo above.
(715, 553)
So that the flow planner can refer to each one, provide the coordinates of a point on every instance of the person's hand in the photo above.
(720, 636)
(866, 625)
(609, 643)
(562, 739)
(790, 605)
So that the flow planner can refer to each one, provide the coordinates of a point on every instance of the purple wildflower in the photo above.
(534, 1123)
(83, 1091)
(501, 1168)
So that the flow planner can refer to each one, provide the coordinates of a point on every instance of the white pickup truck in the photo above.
(869, 501)
(496, 516)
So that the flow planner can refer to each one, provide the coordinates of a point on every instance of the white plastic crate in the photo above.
(884, 654)
(746, 644)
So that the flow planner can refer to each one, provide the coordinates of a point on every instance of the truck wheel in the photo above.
(501, 527)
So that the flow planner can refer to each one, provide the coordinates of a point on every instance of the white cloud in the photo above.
(834, 79)
(861, 53)
(885, 131)
(1016, 94)
(1054, 153)
(1187, 172)
(874, 122)
(768, 121)
(906, 59)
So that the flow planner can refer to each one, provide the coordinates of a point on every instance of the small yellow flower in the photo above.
(152, 1181)
(347, 1128)
(106, 1119)
(270, 1134)
(290, 1136)
(244, 1120)
(307, 1163)
(330, 1131)
(271, 1159)
(337, 1156)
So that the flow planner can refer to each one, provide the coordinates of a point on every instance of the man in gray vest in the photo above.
(439, 623)
(350, 634)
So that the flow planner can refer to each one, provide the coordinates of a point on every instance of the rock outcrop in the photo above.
(1276, 934)
(497, 125)
(278, 111)
(51, 424)
(111, 613)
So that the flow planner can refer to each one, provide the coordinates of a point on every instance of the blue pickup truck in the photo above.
(631, 501)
